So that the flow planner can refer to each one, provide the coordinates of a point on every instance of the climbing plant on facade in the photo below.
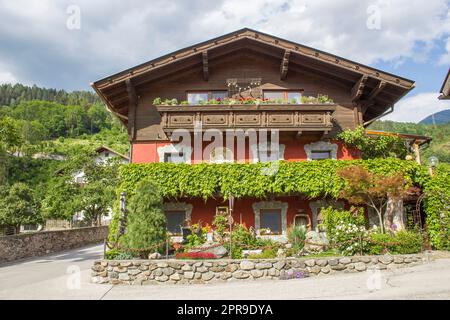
(437, 207)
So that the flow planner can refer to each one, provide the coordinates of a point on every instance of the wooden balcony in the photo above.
(284, 117)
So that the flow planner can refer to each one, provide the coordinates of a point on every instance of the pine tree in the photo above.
(146, 226)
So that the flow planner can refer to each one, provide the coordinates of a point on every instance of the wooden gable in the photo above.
(372, 91)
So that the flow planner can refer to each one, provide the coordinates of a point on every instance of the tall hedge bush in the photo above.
(437, 207)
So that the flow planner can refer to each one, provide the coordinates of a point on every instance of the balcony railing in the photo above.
(285, 117)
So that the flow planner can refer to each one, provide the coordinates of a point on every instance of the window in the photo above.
(271, 220)
(197, 97)
(30, 227)
(287, 96)
(266, 152)
(174, 157)
(219, 95)
(320, 154)
(297, 96)
(221, 155)
(175, 221)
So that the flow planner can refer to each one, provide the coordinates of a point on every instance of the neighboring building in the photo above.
(103, 154)
(445, 89)
(242, 65)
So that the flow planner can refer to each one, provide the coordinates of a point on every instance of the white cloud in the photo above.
(7, 77)
(114, 35)
(445, 58)
(416, 108)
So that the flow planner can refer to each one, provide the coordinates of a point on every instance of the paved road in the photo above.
(56, 277)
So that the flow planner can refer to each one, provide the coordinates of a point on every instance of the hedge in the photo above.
(437, 207)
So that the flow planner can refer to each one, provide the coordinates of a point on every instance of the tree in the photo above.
(372, 190)
(97, 194)
(93, 197)
(146, 226)
(18, 206)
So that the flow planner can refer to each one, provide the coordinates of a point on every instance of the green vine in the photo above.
(310, 178)
(374, 147)
(437, 207)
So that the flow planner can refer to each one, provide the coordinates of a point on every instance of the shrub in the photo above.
(334, 217)
(437, 207)
(266, 254)
(146, 228)
(297, 236)
(115, 254)
(351, 239)
(220, 224)
(196, 238)
(409, 242)
(380, 243)
(403, 242)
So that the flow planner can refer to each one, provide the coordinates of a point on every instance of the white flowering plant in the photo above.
(351, 239)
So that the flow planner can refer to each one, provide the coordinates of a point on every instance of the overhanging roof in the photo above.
(381, 89)
(445, 89)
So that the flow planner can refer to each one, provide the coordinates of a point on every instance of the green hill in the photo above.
(439, 146)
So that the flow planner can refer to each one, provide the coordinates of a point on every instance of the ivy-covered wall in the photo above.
(437, 207)
(312, 179)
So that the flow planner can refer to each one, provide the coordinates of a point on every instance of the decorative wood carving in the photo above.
(284, 65)
(133, 100)
(205, 65)
(358, 88)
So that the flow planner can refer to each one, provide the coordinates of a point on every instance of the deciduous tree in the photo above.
(373, 190)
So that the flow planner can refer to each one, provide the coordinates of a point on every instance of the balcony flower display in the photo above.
(320, 99)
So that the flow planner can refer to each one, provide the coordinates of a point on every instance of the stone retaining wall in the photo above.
(33, 244)
(207, 271)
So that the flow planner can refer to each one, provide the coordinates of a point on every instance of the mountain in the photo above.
(437, 118)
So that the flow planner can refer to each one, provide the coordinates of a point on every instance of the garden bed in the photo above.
(140, 272)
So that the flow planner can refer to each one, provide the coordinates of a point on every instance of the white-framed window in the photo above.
(321, 150)
(174, 153)
(221, 155)
(320, 154)
(174, 157)
(266, 152)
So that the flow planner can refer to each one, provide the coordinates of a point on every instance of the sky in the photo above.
(69, 44)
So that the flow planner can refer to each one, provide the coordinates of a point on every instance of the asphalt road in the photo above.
(66, 276)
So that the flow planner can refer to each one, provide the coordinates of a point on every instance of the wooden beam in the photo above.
(205, 65)
(358, 88)
(375, 91)
(284, 65)
(365, 105)
(132, 96)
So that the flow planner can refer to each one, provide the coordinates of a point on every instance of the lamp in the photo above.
(433, 161)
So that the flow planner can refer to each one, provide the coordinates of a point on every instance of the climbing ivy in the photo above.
(310, 178)
(437, 207)
(374, 147)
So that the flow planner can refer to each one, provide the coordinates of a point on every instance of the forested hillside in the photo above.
(440, 145)
(12, 95)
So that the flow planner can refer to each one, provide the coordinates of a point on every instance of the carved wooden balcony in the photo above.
(284, 117)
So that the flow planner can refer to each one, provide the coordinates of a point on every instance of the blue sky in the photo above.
(68, 44)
